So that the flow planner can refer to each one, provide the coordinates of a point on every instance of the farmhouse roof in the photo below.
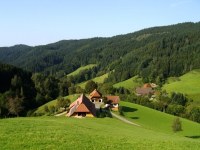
(82, 104)
(144, 91)
(95, 94)
(113, 99)
(147, 85)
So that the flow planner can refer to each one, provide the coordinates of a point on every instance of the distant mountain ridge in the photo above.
(154, 54)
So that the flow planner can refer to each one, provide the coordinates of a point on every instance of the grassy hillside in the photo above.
(156, 120)
(147, 118)
(41, 110)
(129, 84)
(99, 79)
(83, 134)
(189, 84)
(76, 72)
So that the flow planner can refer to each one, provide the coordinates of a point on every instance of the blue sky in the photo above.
(36, 22)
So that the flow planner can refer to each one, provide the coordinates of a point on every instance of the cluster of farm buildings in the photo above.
(88, 107)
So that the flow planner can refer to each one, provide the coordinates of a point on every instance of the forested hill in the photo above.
(153, 53)
(17, 91)
(8, 75)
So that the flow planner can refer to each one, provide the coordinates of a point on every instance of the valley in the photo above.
(150, 77)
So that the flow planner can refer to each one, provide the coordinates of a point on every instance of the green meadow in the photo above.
(129, 84)
(41, 109)
(99, 79)
(188, 84)
(87, 133)
(158, 121)
(154, 132)
(77, 71)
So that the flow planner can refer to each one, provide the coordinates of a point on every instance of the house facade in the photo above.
(96, 98)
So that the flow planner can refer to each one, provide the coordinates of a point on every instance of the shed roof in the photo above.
(144, 91)
(113, 99)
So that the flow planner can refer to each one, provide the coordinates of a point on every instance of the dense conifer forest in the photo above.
(153, 53)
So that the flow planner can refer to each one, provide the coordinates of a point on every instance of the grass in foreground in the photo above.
(88, 133)
(188, 84)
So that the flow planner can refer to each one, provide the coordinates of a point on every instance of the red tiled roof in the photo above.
(95, 94)
(82, 108)
(113, 99)
(82, 104)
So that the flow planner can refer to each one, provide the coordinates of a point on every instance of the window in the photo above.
(115, 105)
(83, 114)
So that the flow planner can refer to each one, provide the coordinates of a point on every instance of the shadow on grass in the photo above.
(193, 137)
(128, 109)
(134, 117)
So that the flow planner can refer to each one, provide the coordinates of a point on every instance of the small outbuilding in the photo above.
(113, 102)
(144, 91)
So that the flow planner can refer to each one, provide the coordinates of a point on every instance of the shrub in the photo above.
(121, 111)
(46, 109)
(193, 113)
(52, 109)
(62, 103)
(103, 113)
(177, 126)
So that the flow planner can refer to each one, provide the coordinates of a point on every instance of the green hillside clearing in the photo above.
(188, 84)
(88, 133)
(41, 109)
(99, 79)
(76, 72)
(129, 84)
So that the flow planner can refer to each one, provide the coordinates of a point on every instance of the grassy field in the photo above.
(146, 117)
(88, 133)
(188, 84)
(81, 69)
(129, 84)
(157, 121)
(41, 110)
(99, 79)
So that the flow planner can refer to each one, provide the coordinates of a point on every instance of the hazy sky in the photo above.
(36, 22)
